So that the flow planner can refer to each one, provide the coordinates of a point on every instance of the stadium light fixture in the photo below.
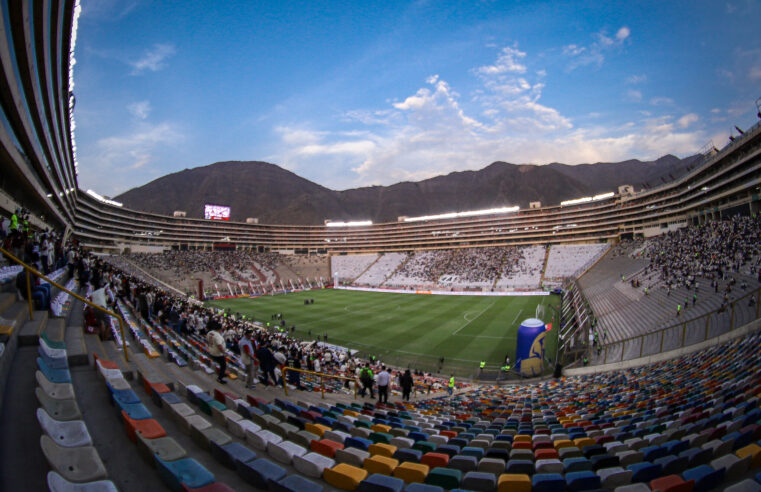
(103, 199)
(587, 199)
(470, 213)
(355, 223)
(758, 107)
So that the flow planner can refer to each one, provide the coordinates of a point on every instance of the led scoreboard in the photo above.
(216, 212)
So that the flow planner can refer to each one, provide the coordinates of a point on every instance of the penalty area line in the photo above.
(472, 320)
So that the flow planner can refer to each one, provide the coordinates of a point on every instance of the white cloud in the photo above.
(687, 120)
(661, 101)
(633, 95)
(140, 109)
(134, 150)
(507, 61)
(153, 58)
(109, 10)
(573, 50)
(636, 79)
(595, 53)
(434, 130)
(754, 73)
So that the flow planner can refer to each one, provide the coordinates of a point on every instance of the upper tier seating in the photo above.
(349, 267)
(377, 273)
(569, 260)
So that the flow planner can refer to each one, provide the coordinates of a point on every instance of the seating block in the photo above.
(381, 483)
(312, 464)
(464, 463)
(382, 449)
(326, 447)
(259, 440)
(705, 477)
(259, 472)
(239, 428)
(352, 456)
(344, 476)
(583, 480)
(185, 472)
(447, 478)
(547, 482)
(672, 483)
(204, 437)
(380, 464)
(284, 451)
(294, 483)
(479, 481)
(79, 464)
(148, 428)
(229, 454)
(411, 472)
(512, 482)
(164, 448)
(72, 433)
(752, 450)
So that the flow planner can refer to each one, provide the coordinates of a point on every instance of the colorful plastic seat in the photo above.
(344, 476)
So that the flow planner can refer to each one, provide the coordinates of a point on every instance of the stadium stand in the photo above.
(379, 271)
(348, 268)
(570, 260)
(76, 415)
(525, 272)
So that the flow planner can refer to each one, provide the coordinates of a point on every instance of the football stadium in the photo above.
(603, 342)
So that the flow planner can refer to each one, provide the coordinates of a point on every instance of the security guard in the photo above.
(14, 221)
(450, 388)
(482, 365)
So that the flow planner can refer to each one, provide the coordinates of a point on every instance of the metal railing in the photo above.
(738, 313)
(322, 377)
(30, 270)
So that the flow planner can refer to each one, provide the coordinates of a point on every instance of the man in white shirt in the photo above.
(383, 379)
(248, 358)
(215, 345)
(100, 297)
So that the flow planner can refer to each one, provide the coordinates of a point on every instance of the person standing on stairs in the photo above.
(215, 345)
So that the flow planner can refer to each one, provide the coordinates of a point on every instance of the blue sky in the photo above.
(353, 93)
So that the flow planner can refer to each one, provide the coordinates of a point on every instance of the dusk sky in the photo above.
(352, 93)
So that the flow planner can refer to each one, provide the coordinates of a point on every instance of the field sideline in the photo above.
(404, 329)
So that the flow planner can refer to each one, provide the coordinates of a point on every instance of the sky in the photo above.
(355, 93)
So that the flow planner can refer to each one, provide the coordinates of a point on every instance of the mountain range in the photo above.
(277, 196)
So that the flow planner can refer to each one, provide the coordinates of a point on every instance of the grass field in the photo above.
(404, 329)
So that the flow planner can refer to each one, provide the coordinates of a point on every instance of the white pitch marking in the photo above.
(472, 320)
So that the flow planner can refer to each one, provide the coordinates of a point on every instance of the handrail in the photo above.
(33, 271)
(322, 376)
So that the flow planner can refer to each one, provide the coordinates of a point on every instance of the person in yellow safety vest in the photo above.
(483, 364)
(14, 221)
(450, 388)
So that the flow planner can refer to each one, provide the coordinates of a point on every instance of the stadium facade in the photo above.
(39, 172)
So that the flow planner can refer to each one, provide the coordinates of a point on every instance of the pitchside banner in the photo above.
(444, 292)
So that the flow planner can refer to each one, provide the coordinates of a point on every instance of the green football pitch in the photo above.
(409, 330)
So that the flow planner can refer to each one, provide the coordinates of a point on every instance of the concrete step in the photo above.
(14, 316)
(30, 331)
(6, 300)
(55, 328)
(76, 349)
